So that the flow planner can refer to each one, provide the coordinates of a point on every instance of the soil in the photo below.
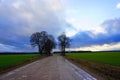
(99, 70)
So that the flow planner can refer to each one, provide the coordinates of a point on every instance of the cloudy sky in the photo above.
(91, 24)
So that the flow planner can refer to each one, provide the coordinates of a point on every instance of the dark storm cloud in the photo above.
(20, 18)
(88, 38)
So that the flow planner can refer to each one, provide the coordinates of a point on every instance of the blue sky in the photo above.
(91, 24)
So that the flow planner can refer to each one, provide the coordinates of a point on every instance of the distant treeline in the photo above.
(73, 51)
(86, 51)
(109, 51)
(5, 53)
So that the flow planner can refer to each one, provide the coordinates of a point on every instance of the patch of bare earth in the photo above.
(100, 71)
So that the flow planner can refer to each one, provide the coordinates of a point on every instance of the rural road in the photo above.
(50, 68)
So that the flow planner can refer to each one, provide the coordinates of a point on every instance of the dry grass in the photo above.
(106, 71)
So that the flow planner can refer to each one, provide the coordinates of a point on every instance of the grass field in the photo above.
(112, 58)
(97, 63)
(8, 60)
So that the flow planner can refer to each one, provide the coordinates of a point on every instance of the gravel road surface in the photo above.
(50, 68)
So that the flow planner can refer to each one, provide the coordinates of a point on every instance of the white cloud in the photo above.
(6, 48)
(17, 4)
(76, 23)
(98, 30)
(70, 32)
(118, 6)
(20, 18)
(29, 16)
(56, 5)
(108, 27)
(104, 47)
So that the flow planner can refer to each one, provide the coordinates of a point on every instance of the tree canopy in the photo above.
(43, 41)
(64, 42)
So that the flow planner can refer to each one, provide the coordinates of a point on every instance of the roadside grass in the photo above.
(8, 60)
(112, 58)
(103, 64)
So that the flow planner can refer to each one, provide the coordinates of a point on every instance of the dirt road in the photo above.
(50, 68)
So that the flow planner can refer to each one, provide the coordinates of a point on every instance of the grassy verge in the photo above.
(112, 58)
(10, 62)
(104, 64)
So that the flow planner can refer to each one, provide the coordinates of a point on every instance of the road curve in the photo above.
(50, 68)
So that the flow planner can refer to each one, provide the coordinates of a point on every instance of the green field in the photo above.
(112, 58)
(8, 60)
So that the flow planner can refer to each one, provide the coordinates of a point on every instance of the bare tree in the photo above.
(35, 40)
(43, 41)
(64, 42)
(49, 44)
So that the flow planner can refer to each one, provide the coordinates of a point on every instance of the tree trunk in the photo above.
(64, 51)
(39, 50)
